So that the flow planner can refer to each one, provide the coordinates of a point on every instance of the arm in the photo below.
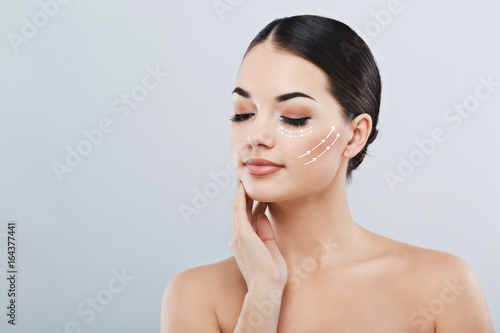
(260, 311)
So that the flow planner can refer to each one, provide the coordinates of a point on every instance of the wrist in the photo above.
(266, 293)
(265, 285)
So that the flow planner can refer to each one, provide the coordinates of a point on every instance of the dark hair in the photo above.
(352, 72)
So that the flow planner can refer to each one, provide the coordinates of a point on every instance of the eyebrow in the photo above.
(279, 99)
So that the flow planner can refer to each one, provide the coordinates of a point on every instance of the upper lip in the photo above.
(260, 161)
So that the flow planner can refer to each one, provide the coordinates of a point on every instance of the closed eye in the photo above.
(298, 122)
(241, 117)
(295, 121)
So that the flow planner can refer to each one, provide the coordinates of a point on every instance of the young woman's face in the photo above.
(283, 113)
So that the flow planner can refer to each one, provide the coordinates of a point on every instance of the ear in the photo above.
(360, 129)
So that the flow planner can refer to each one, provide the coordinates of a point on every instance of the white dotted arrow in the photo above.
(326, 149)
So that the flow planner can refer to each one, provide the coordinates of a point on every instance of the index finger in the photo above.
(239, 209)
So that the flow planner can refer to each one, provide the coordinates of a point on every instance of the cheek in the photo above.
(235, 144)
(314, 149)
(232, 138)
(236, 137)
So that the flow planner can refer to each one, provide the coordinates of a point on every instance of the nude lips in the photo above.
(261, 167)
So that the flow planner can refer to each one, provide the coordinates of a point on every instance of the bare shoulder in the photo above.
(201, 277)
(191, 296)
(448, 289)
(428, 264)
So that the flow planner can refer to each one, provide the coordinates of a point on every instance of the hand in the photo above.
(254, 245)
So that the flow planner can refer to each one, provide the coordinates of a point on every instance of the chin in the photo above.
(271, 191)
(259, 191)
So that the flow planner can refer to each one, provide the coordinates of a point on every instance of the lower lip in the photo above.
(262, 170)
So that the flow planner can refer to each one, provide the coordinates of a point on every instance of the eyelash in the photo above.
(297, 122)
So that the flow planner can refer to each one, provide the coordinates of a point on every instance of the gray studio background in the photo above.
(118, 212)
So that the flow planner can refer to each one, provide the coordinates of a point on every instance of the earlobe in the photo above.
(360, 129)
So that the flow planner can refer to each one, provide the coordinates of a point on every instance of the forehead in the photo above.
(267, 71)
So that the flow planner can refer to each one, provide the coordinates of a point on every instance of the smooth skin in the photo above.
(301, 263)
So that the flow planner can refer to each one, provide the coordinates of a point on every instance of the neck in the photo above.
(316, 230)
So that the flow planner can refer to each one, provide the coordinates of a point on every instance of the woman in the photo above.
(306, 107)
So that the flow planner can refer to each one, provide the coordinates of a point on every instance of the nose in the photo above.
(262, 135)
